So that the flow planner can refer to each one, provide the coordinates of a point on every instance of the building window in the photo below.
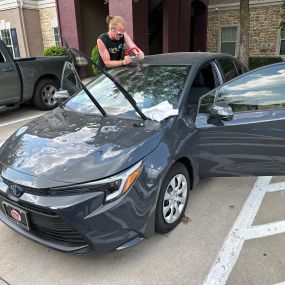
(5, 35)
(56, 36)
(282, 43)
(9, 36)
(228, 40)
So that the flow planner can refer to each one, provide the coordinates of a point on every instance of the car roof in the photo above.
(184, 58)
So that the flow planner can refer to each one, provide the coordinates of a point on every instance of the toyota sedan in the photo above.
(97, 174)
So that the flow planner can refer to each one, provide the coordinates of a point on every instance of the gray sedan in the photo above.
(97, 174)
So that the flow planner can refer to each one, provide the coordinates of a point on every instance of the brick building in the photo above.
(28, 26)
(266, 39)
(155, 25)
(180, 25)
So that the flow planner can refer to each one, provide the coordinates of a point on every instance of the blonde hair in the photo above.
(115, 21)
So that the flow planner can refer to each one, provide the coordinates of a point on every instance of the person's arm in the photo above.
(106, 56)
(130, 44)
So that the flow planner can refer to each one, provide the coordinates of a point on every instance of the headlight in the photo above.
(113, 187)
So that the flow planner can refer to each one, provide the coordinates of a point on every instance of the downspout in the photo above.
(23, 25)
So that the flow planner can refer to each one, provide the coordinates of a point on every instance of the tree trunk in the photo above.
(244, 32)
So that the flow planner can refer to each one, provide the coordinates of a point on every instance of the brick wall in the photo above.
(264, 30)
(48, 16)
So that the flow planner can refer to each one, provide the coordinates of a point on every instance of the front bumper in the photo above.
(83, 223)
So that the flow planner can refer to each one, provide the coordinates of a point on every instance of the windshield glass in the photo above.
(149, 85)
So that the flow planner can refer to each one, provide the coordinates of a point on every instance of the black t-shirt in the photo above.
(115, 48)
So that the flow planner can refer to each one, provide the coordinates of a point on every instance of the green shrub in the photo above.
(95, 57)
(258, 61)
(54, 51)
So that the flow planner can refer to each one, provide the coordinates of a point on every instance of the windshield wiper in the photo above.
(91, 97)
(118, 85)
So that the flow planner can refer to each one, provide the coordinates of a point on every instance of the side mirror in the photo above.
(221, 111)
(61, 96)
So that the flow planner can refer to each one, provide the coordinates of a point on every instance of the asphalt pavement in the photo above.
(234, 234)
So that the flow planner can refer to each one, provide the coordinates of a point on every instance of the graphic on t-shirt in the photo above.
(113, 50)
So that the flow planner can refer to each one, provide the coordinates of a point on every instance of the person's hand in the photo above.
(127, 60)
(140, 55)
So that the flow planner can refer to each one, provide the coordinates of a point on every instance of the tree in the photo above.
(244, 32)
(282, 23)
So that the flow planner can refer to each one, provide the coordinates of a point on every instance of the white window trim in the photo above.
(54, 36)
(237, 37)
(9, 29)
(278, 46)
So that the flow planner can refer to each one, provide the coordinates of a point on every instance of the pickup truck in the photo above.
(28, 80)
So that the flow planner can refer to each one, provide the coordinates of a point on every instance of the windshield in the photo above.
(149, 85)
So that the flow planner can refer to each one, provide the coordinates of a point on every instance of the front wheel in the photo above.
(43, 97)
(173, 198)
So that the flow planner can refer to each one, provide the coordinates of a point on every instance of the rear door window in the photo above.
(240, 68)
(228, 69)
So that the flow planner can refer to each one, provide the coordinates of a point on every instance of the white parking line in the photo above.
(242, 230)
(20, 120)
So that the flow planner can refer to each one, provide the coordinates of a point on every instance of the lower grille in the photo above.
(47, 224)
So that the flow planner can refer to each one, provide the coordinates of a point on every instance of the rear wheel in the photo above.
(43, 97)
(173, 198)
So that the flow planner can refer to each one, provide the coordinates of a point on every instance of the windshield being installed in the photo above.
(149, 85)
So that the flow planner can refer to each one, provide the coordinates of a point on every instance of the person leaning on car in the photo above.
(112, 44)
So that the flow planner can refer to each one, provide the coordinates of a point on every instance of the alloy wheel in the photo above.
(48, 95)
(175, 198)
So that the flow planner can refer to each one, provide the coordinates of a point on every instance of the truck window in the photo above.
(1, 58)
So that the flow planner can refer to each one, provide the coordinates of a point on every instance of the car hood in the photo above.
(69, 147)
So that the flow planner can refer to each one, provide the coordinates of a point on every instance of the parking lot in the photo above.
(234, 234)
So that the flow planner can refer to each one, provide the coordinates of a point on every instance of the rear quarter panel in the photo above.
(32, 70)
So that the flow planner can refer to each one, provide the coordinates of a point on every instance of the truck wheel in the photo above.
(173, 198)
(43, 94)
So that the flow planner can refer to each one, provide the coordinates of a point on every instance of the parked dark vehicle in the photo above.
(83, 180)
(28, 79)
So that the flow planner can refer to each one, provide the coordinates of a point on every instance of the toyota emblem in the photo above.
(16, 190)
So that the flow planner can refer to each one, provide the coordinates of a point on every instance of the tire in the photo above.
(43, 94)
(171, 202)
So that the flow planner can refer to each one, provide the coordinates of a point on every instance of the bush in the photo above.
(54, 51)
(95, 57)
(258, 61)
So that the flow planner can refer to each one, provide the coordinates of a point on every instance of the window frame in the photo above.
(11, 46)
(237, 37)
(280, 39)
(57, 43)
(246, 111)
(218, 89)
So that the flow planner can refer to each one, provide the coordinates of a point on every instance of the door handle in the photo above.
(8, 69)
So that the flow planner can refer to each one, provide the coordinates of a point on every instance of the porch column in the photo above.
(135, 14)
(185, 25)
(171, 19)
(69, 22)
